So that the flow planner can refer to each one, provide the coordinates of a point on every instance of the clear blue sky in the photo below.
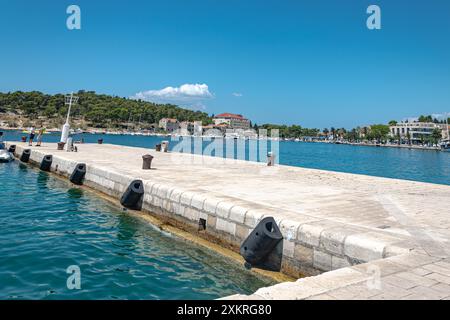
(311, 62)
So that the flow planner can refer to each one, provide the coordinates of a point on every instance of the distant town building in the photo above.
(363, 132)
(186, 128)
(234, 121)
(416, 131)
(216, 129)
(198, 128)
(241, 133)
(169, 124)
(212, 130)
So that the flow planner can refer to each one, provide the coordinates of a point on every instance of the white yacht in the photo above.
(5, 155)
(445, 146)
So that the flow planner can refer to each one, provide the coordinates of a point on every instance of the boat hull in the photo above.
(6, 156)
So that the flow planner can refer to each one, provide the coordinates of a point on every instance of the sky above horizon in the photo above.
(313, 63)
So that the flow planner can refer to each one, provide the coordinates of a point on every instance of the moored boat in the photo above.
(5, 155)
(445, 144)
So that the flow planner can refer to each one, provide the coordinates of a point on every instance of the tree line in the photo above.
(99, 109)
(105, 111)
(288, 132)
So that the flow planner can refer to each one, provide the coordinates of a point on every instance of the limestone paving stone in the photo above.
(223, 209)
(198, 200)
(304, 254)
(186, 198)
(237, 214)
(321, 260)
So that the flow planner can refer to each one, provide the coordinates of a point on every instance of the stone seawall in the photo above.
(350, 231)
(307, 248)
(228, 222)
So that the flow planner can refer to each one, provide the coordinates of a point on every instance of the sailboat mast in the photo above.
(70, 107)
(446, 122)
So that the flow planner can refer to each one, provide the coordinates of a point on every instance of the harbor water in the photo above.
(46, 227)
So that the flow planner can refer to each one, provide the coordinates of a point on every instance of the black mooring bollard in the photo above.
(25, 157)
(78, 174)
(165, 146)
(261, 241)
(270, 159)
(46, 162)
(132, 197)
(147, 161)
(12, 148)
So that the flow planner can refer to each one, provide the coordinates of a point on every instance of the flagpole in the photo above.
(70, 99)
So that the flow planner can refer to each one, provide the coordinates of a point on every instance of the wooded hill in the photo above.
(99, 109)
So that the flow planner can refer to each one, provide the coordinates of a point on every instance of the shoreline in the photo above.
(152, 134)
(306, 155)
(402, 146)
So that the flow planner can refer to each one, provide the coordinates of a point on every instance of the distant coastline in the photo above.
(95, 131)
(103, 114)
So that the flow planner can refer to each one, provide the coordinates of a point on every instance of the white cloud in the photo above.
(440, 115)
(410, 119)
(189, 94)
(237, 94)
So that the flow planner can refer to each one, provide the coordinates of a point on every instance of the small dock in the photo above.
(354, 236)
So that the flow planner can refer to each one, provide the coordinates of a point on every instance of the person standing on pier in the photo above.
(32, 134)
(40, 136)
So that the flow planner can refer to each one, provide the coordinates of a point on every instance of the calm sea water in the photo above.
(47, 226)
(418, 165)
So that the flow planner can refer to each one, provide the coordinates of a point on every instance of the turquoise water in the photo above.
(47, 226)
(417, 165)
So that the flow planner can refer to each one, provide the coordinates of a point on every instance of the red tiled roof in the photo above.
(229, 115)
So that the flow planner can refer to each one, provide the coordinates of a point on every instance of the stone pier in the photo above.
(353, 236)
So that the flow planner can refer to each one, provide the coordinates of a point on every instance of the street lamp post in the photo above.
(69, 100)
(446, 126)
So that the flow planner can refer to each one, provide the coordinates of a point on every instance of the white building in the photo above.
(186, 128)
(169, 124)
(416, 131)
(198, 128)
(234, 121)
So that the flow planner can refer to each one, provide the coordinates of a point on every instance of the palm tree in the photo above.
(341, 132)
(436, 135)
(392, 123)
(397, 136)
(422, 138)
(408, 136)
(333, 132)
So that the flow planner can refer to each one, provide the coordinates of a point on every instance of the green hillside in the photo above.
(98, 109)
